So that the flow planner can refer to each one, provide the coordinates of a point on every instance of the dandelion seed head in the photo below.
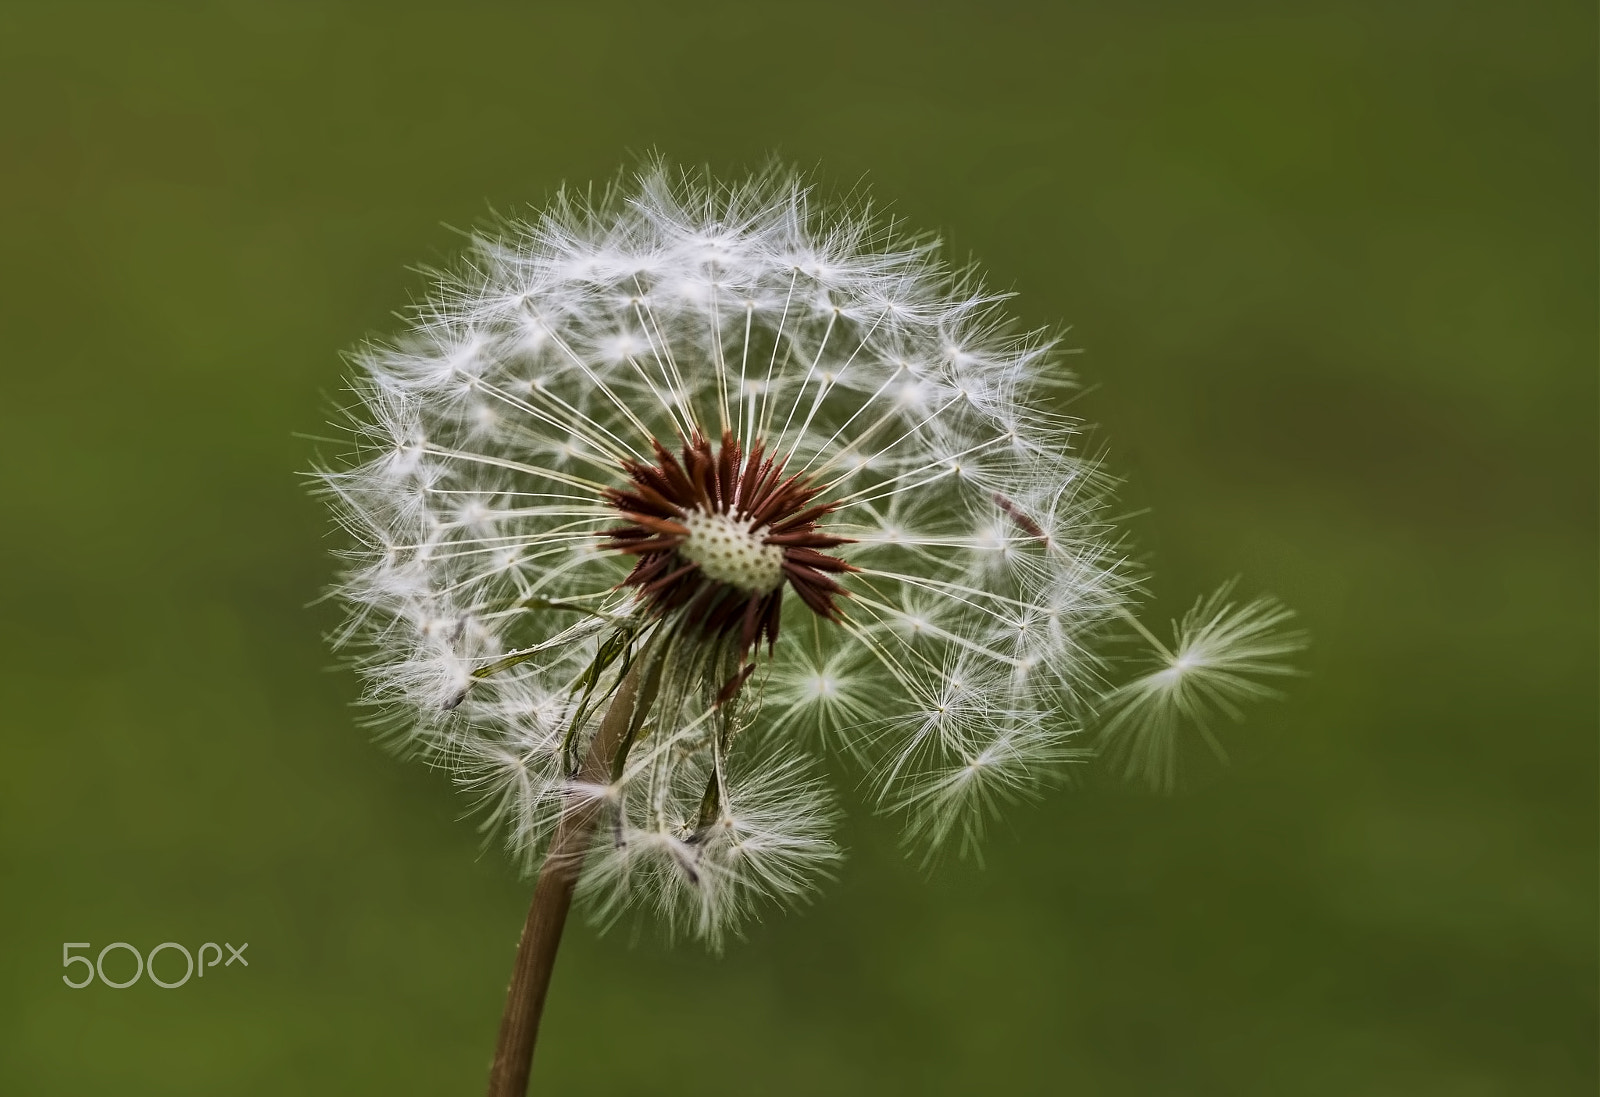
(803, 481)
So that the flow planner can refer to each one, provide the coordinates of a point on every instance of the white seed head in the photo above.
(949, 635)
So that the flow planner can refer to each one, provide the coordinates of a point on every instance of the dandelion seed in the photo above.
(1221, 653)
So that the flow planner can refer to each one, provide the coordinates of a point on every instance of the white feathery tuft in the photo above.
(1221, 651)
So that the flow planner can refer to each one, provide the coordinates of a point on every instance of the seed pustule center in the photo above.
(729, 550)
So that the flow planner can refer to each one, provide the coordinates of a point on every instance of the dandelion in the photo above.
(672, 490)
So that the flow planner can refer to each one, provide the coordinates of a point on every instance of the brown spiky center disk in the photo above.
(719, 533)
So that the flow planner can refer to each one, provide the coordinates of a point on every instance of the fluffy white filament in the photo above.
(482, 603)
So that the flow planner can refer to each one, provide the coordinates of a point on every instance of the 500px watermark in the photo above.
(146, 963)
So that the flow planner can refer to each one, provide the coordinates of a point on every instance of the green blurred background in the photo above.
(1333, 268)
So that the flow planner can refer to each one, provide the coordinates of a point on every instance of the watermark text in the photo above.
(145, 963)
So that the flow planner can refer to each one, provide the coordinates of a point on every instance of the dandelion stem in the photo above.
(552, 898)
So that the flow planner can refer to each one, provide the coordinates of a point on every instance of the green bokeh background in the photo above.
(1333, 269)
